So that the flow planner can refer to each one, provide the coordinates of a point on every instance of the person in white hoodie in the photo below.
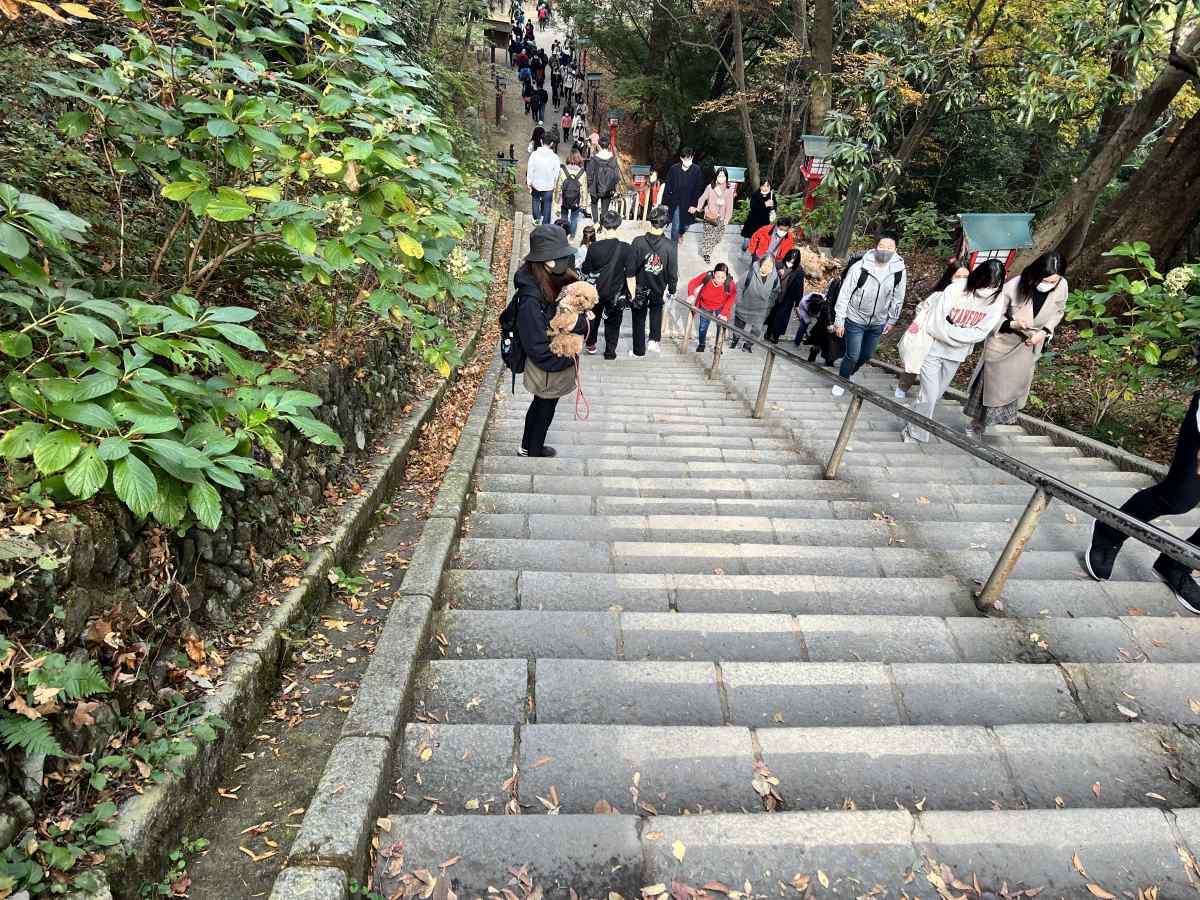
(958, 318)
(541, 177)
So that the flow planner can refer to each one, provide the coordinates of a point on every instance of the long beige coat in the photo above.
(1008, 362)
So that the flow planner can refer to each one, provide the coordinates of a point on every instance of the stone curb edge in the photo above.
(330, 849)
(147, 822)
(1122, 459)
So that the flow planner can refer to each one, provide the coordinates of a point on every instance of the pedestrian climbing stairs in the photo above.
(684, 656)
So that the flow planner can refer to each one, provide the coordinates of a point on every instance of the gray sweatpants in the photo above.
(936, 375)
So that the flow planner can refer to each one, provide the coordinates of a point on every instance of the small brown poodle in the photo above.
(577, 297)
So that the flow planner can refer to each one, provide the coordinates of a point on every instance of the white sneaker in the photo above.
(653, 347)
(838, 390)
(900, 394)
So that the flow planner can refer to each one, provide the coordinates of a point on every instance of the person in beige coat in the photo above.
(1036, 302)
(715, 207)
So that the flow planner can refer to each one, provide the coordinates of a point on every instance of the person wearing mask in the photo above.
(716, 207)
(685, 184)
(1035, 301)
(958, 318)
(1176, 495)
(954, 271)
(656, 274)
(609, 266)
(586, 240)
(539, 281)
(868, 304)
(603, 178)
(791, 282)
(771, 241)
(541, 175)
(522, 59)
(712, 292)
(760, 293)
(762, 212)
(572, 190)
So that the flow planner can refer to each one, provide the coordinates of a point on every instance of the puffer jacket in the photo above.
(875, 299)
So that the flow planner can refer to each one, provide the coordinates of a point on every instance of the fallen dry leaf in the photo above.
(679, 850)
(1194, 705)
(257, 857)
(1096, 891)
(1096, 789)
(1126, 712)
(383, 823)
(823, 878)
(1078, 864)
(450, 862)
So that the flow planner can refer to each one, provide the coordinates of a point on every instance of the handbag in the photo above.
(917, 341)
(711, 216)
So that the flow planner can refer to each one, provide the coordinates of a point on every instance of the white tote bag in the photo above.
(917, 340)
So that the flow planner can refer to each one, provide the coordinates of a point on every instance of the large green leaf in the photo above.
(240, 335)
(15, 344)
(222, 128)
(12, 241)
(98, 384)
(316, 431)
(301, 236)
(238, 155)
(18, 442)
(135, 484)
(144, 420)
(180, 190)
(337, 254)
(176, 453)
(228, 206)
(113, 448)
(87, 475)
(205, 503)
(171, 504)
(56, 450)
(91, 414)
(230, 314)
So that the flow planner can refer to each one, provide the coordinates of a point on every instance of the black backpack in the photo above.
(511, 350)
(708, 278)
(836, 285)
(572, 190)
(606, 177)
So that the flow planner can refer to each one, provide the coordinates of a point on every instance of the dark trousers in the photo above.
(599, 207)
(702, 325)
(1175, 495)
(537, 423)
(614, 314)
(600, 310)
(653, 312)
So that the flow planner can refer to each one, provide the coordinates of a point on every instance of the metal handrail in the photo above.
(1046, 486)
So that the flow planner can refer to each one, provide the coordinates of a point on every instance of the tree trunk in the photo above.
(1157, 206)
(822, 49)
(743, 102)
(1081, 198)
(845, 233)
(800, 24)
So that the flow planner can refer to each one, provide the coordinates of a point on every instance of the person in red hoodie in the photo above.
(713, 292)
(775, 239)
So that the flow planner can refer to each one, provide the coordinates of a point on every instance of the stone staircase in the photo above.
(684, 656)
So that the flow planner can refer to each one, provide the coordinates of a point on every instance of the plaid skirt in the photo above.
(974, 408)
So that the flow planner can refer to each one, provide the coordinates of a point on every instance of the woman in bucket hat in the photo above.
(548, 268)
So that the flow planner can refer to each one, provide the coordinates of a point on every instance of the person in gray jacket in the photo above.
(754, 302)
(868, 304)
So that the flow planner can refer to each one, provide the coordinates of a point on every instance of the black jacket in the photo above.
(759, 214)
(533, 323)
(780, 315)
(656, 264)
(600, 254)
(683, 190)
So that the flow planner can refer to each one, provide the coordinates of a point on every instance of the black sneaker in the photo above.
(1181, 583)
(699, 348)
(747, 348)
(548, 452)
(1100, 558)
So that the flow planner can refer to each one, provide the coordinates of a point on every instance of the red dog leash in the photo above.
(579, 398)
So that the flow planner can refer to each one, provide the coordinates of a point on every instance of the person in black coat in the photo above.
(762, 205)
(685, 184)
(792, 276)
(548, 268)
(821, 337)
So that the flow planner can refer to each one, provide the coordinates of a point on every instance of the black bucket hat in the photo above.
(548, 242)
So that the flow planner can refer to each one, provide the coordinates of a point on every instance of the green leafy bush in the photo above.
(151, 402)
(1135, 326)
(922, 228)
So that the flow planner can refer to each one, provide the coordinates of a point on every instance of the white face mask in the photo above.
(1046, 286)
(687, 161)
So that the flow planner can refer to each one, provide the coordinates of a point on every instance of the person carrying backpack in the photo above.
(713, 292)
(604, 177)
(868, 303)
(524, 328)
(761, 292)
(657, 266)
(609, 265)
(572, 190)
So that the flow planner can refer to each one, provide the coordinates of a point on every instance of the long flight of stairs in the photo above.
(683, 656)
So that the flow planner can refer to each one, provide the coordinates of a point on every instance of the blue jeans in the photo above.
(702, 330)
(675, 213)
(861, 341)
(572, 217)
(543, 205)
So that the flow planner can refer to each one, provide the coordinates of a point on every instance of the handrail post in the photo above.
(843, 438)
(988, 598)
(716, 360)
(764, 383)
(687, 331)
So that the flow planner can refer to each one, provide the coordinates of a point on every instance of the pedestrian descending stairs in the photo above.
(684, 656)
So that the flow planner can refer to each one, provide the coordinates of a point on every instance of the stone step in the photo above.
(820, 594)
(707, 769)
(762, 637)
(809, 694)
(725, 559)
(791, 531)
(667, 453)
(594, 855)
